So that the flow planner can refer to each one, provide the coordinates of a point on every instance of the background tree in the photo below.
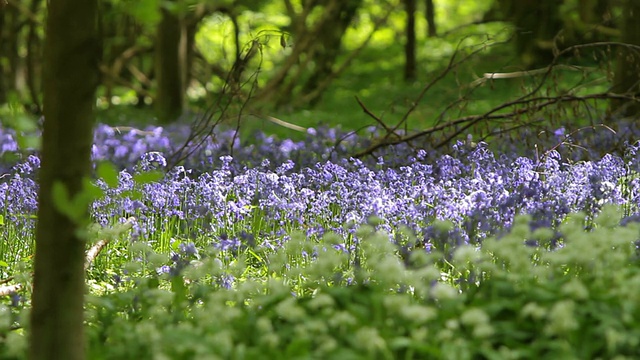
(536, 23)
(317, 45)
(410, 8)
(169, 66)
(175, 46)
(328, 46)
(627, 75)
(430, 16)
(71, 56)
(20, 49)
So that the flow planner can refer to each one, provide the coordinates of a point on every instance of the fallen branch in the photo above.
(92, 254)
(519, 74)
(94, 251)
(9, 289)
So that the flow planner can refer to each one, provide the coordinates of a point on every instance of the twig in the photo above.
(452, 65)
(490, 115)
(529, 99)
(374, 116)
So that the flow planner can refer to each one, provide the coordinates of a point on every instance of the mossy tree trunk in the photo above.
(71, 56)
(627, 76)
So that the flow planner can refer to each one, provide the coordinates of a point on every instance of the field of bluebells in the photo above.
(293, 249)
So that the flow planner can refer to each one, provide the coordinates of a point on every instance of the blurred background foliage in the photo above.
(282, 66)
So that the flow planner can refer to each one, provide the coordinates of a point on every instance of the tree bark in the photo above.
(169, 101)
(71, 57)
(410, 41)
(12, 26)
(3, 89)
(430, 14)
(627, 76)
(32, 63)
(338, 14)
(537, 22)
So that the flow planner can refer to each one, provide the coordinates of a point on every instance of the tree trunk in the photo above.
(410, 44)
(3, 88)
(12, 26)
(169, 99)
(627, 76)
(328, 43)
(32, 61)
(71, 57)
(537, 22)
(430, 14)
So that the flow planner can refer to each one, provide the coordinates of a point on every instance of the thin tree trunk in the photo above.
(3, 89)
(33, 55)
(71, 57)
(627, 76)
(410, 44)
(430, 14)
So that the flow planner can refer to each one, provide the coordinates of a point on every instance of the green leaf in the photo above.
(107, 172)
(1, 220)
(3, 264)
(147, 177)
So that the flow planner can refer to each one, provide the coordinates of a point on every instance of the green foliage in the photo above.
(507, 300)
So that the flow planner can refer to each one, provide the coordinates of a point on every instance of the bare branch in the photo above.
(539, 103)
(527, 103)
(374, 117)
